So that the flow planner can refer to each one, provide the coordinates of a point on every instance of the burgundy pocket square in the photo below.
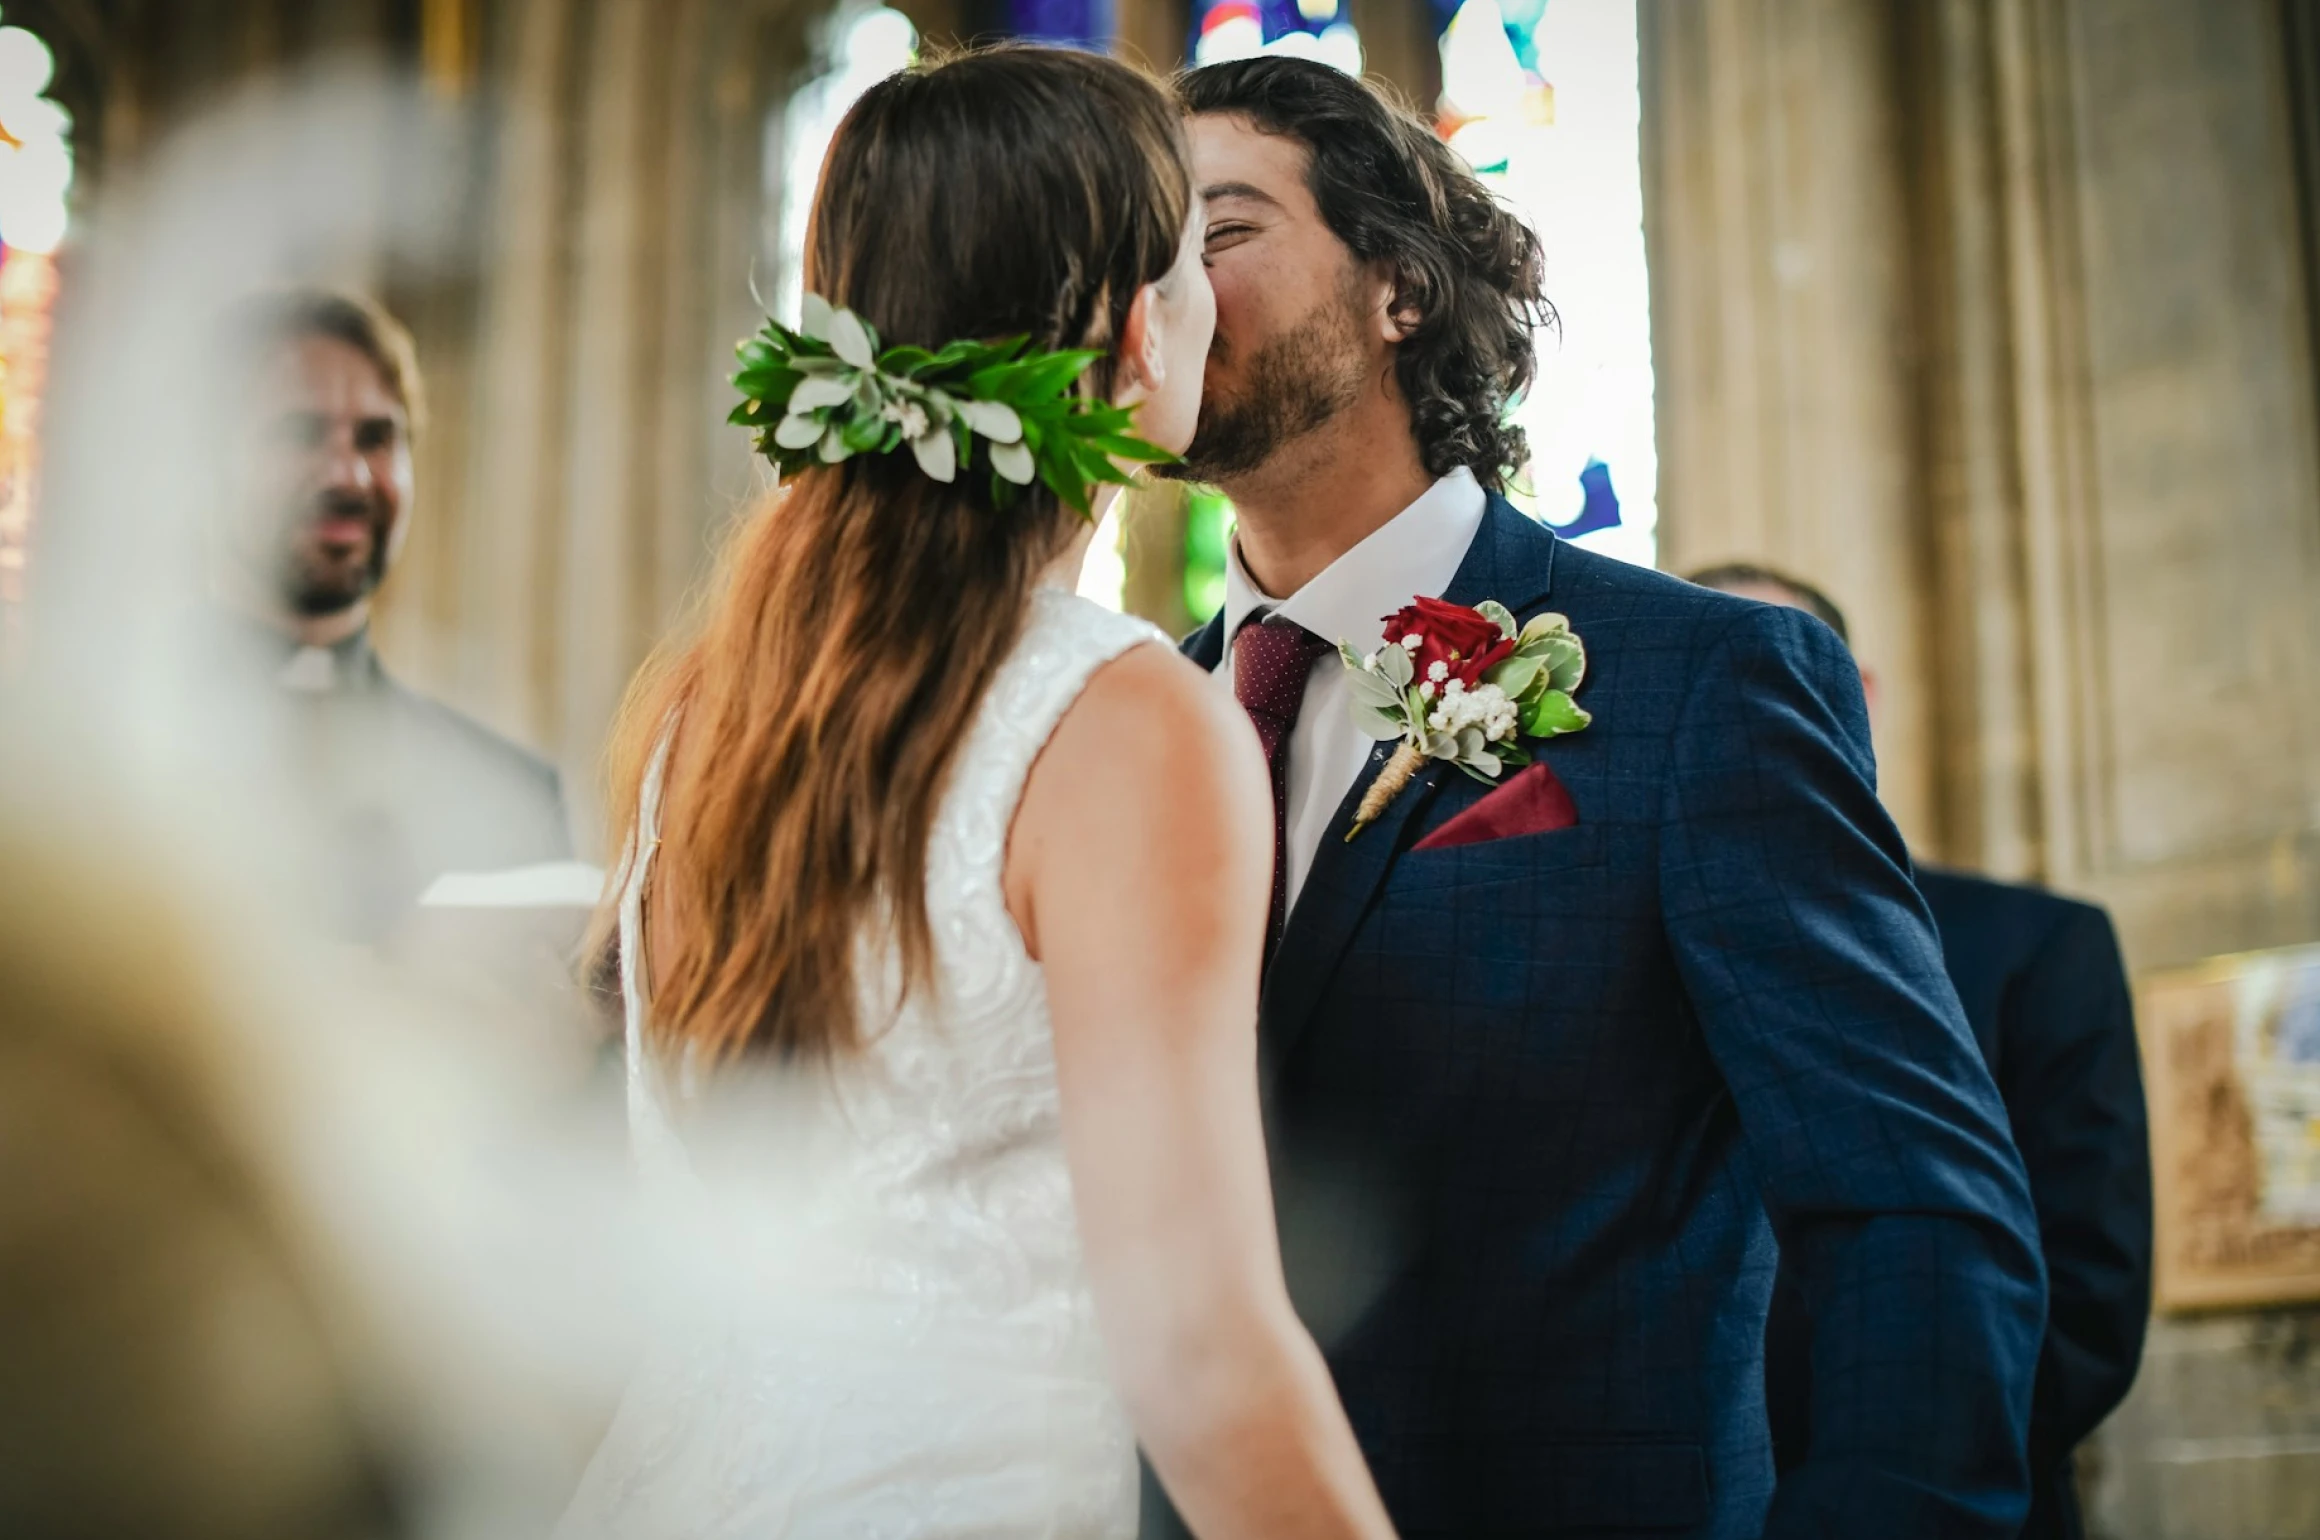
(1533, 801)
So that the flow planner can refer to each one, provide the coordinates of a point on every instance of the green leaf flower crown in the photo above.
(825, 392)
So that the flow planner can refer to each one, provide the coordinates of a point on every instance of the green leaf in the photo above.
(904, 360)
(1552, 715)
(1514, 675)
(756, 355)
(1136, 449)
(1499, 615)
(773, 384)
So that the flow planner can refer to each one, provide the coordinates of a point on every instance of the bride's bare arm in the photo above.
(1139, 871)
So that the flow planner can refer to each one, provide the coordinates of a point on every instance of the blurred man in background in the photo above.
(2046, 993)
(400, 788)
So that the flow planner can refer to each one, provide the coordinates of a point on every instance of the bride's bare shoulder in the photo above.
(1151, 729)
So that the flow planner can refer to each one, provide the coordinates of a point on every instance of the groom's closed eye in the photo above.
(1226, 234)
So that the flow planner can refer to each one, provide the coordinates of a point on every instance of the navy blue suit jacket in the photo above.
(1539, 1107)
(2047, 997)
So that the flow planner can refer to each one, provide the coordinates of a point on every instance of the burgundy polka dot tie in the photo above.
(1272, 659)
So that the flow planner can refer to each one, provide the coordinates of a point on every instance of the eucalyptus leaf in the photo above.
(850, 339)
(1375, 723)
(814, 314)
(1364, 685)
(1470, 743)
(1441, 746)
(833, 444)
(1498, 615)
(1013, 461)
(1394, 663)
(796, 431)
(936, 455)
(1484, 764)
(996, 421)
(817, 392)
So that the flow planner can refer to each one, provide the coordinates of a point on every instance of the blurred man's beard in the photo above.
(315, 580)
(1294, 383)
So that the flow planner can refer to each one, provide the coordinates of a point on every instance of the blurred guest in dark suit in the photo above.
(2046, 994)
(316, 440)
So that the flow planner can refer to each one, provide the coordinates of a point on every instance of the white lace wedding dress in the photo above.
(885, 1327)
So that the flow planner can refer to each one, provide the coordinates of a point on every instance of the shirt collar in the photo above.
(1415, 552)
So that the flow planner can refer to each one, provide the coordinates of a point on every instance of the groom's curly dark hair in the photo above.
(1390, 189)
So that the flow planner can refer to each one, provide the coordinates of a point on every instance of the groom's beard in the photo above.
(1295, 382)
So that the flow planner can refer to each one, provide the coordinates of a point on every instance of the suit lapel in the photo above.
(1511, 560)
(1206, 645)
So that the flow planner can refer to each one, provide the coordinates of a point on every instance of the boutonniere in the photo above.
(1462, 685)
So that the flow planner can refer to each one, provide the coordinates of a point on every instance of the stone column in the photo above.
(1774, 191)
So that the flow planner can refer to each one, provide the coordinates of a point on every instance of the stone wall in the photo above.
(1994, 316)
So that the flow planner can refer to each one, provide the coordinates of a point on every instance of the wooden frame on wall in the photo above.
(2231, 1069)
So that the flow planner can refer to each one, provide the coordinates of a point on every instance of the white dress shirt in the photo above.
(1415, 553)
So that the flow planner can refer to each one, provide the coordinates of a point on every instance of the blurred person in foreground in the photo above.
(171, 1358)
(396, 789)
(2046, 993)
(965, 876)
(1556, 1050)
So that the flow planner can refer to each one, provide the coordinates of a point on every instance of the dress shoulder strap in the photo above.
(1066, 639)
(651, 1137)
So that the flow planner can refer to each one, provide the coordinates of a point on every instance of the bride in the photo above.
(939, 930)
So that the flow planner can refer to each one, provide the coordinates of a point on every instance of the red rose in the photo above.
(1466, 641)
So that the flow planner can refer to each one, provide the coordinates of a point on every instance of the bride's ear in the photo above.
(1143, 360)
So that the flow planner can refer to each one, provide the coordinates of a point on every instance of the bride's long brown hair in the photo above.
(862, 609)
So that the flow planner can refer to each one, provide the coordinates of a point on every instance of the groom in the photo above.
(1555, 1067)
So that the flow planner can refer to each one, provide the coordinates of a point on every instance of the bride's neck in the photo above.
(1063, 572)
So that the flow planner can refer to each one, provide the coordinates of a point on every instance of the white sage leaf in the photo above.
(848, 340)
(1375, 723)
(821, 391)
(1366, 686)
(937, 455)
(796, 431)
(1012, 461)
(1394, 663)
(814, 314)
(834, 445)
(995, 420)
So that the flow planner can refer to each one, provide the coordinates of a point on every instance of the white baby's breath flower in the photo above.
(1426, 690)
(1412, 642)
(913, 420)
(1454, 687)
(1439, 672)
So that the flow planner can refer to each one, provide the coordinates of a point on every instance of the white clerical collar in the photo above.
(1416, 552)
